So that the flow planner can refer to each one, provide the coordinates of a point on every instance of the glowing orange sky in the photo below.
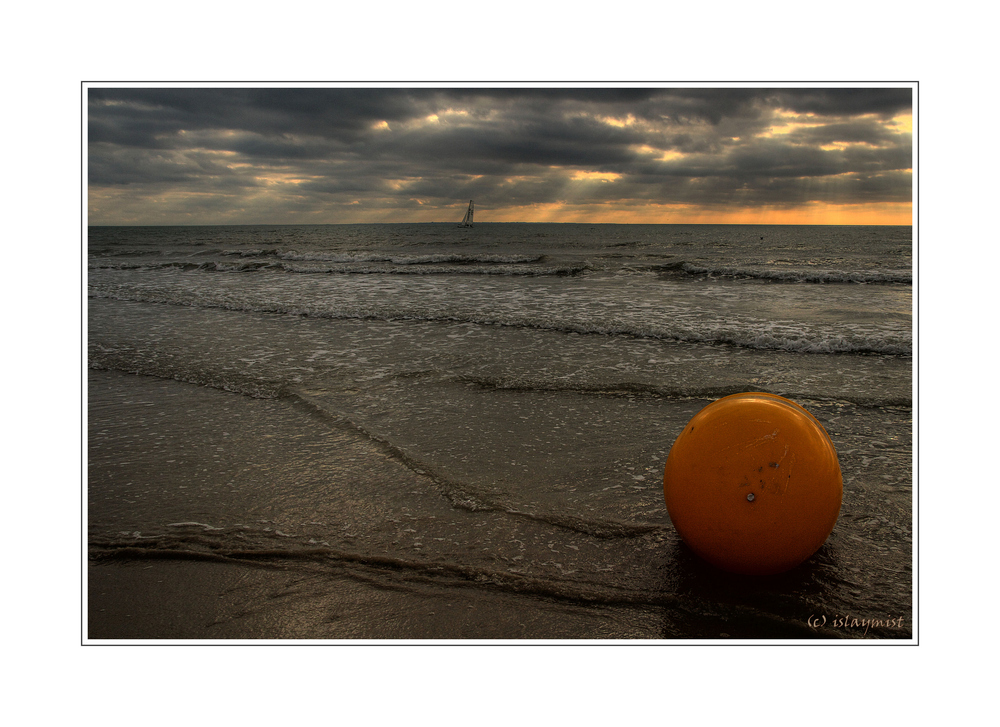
(812, 214)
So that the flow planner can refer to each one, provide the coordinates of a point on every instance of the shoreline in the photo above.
(191, 600)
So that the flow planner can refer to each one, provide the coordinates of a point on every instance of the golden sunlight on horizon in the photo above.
(584, 176)
(179, 207)
(812, 214)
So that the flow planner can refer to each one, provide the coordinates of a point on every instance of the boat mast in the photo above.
(467, 220)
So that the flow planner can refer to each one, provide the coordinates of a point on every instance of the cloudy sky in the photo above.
(640, 155)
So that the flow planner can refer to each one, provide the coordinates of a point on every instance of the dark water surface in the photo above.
(414, 431)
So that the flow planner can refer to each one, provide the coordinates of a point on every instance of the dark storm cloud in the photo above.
(321, 112)
(314, 149)
(846, 101)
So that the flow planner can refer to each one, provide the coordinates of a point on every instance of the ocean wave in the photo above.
(395, 259)
(309, 266)
(411, 259)
(145, 363)
(660, 391)
(211, 266)
(120, 266)
(427, 269)
(128, 252)
(762, 336)
(884, 277)
(258, 252)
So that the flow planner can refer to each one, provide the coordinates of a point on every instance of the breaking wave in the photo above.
(778, 275)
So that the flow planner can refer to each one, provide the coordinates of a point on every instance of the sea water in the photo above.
(479, 418)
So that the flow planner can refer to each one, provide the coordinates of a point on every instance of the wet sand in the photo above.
(191, 600)
(342, 539)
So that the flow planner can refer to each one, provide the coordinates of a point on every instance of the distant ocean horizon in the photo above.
(487, 222)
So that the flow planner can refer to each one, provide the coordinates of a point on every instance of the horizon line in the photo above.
(505, 222)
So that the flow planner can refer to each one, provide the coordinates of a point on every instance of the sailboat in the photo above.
(467, 220)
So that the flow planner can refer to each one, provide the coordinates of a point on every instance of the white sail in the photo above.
(467, 220)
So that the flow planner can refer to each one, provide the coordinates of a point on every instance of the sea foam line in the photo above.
(753, 338)
(463, 495)
(380, 568)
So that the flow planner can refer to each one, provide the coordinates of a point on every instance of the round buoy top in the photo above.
(753, 484)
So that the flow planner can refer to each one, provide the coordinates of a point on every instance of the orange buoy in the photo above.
(753, 484)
